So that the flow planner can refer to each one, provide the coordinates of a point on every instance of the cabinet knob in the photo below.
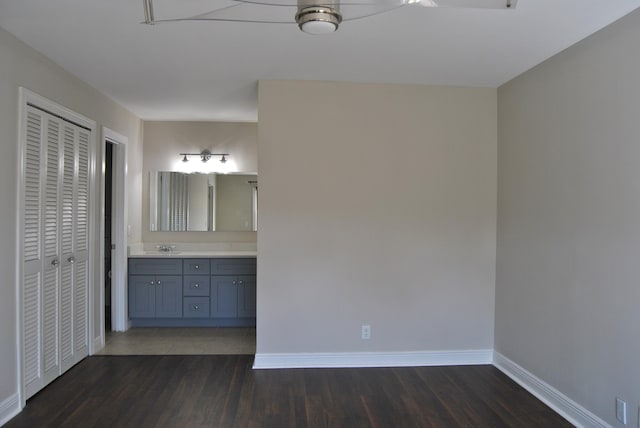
(153, 282)
(197, 267)
(241, 282)
(55, 262)
(71, 259)
(233, 282)
(158, 282)
(196, 308)
(196, 285)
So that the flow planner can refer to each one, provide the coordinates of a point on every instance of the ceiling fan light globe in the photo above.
(318, 27)
(318, 19)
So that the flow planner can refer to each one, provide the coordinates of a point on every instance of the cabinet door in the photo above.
(142, 296)
(224, 297)
(247, 296)
(168, 296)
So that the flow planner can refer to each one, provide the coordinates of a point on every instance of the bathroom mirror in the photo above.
(181, 202)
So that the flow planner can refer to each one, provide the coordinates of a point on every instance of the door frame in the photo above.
(119, 233)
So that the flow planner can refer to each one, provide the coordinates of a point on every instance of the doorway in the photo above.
(108, 227)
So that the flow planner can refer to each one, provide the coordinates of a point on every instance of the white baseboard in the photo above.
(563, 405)
(373, 359)
(9, 408)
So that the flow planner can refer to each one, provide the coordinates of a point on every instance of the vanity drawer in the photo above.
(195, 285)
(196, 266)
(164, 266)
(233, 266)
(195, 307)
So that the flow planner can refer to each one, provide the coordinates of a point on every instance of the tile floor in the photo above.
(181, 341)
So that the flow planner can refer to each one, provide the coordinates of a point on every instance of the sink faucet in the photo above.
(165, 248)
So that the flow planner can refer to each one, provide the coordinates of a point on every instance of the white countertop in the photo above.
(185, 250)
(191, 254)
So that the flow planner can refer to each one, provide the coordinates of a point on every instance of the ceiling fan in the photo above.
(312, 16)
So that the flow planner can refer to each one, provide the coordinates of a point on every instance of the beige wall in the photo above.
(568, 277)
(163, 141)
(23, 66)
(389, 220)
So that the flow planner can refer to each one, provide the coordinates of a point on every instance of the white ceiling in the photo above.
(209, 70)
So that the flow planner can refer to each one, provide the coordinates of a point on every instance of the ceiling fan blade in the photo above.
(284, 11)
(349, 9)
(471, 4)
(250, 12)
(326, 3)
(267, 11)
(238, 12)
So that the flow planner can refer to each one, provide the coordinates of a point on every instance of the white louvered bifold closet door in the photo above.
(51, 214)
(74, 245)
(32, 257)
(55, 247)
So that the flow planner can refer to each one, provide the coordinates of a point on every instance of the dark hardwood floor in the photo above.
(223, 391)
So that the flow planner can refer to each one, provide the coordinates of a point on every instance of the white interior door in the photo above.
(31, 254)
(51, 216)
(74, 246)
(81, 248)
(54, 246)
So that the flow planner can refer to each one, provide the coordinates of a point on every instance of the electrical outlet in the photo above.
(366, 332)
(621, 410)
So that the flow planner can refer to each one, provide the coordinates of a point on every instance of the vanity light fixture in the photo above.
(205, 155)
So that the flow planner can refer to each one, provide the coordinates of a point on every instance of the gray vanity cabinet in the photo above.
(181, 292)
